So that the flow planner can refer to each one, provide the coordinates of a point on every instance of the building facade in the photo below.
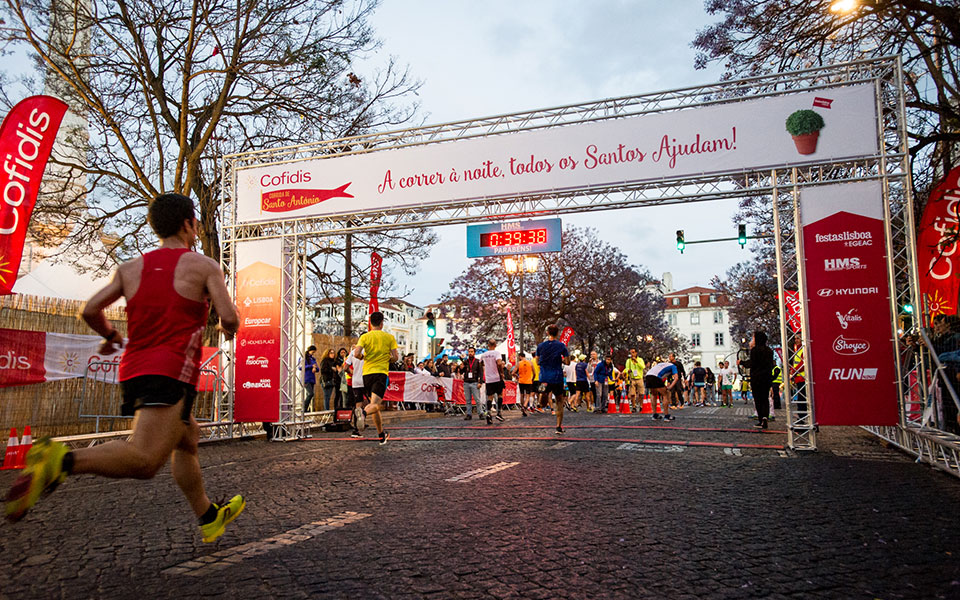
(399, 319)
(701, 316)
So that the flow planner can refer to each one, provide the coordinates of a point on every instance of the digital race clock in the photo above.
(518, 237)
(513, 238)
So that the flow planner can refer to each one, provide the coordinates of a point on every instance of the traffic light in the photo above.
(431, 326)
(680, 243)
(742, 235)
(908, 308)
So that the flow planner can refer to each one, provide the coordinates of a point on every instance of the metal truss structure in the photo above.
(781, 186)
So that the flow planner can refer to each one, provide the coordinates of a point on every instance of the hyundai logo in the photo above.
(825, 292)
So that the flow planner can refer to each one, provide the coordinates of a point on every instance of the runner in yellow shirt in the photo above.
(378, 349)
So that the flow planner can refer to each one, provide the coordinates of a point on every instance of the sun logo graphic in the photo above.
(70, 362)
(5, 270)
(937, 305)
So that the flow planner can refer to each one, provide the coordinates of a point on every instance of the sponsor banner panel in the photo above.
(852, 355)
(257, 372)
(792, 302)
(28, 357)
(21, 357)
(729, 138)
(26, 139)
(565, 335)
(511, 341)
(937, 248)
(416, 387)
(396, 386)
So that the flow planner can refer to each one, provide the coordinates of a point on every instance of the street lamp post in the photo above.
(518, 265)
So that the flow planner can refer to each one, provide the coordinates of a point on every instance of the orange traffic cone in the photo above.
(25, 444)
(624, 405)
(611, 405)
(11, 458)
(647, 405)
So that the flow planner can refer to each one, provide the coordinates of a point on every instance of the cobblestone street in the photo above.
(617, 507)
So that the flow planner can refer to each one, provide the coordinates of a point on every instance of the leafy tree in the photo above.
(752, 289)
(162, 88)
(589, 286)
(762, 36)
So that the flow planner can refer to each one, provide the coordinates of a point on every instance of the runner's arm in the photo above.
(94, 317)
(358, 352)
(222, 303)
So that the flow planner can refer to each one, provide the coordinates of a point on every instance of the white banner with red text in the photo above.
(419, 388)
(726, 138)
(28, 357)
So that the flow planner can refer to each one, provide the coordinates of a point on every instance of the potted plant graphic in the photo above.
(805, 125)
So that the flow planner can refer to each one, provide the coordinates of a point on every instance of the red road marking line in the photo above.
(665, 427)
(554, 438)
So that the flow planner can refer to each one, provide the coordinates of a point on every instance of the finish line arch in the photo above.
(711, 142)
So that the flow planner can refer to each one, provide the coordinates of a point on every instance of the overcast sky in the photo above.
(479, 59)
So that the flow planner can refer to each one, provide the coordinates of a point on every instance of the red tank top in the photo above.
(165, 329)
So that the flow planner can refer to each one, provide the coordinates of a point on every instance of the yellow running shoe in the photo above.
(43, 473)
(225, 514)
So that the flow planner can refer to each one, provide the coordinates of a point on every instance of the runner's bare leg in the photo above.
(373, 409)
(186, 469)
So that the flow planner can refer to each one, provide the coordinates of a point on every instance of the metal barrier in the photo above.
(100, 397)
(929, 428)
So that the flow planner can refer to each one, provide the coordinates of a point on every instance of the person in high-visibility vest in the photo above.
(798, 377)
(634, 374)
(775, 390)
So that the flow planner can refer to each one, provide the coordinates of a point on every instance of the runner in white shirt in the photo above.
(728, 375)
(356, 394)
(492, 379)
(570, 375)
(659, 380)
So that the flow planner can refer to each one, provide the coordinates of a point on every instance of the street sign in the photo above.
(517, 237)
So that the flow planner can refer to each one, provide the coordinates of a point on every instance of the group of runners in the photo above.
(168, 293)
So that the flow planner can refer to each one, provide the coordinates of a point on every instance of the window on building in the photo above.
(695, 340)
(713, 298)
(718, 317)
(676, 301)
(695, 318)
(718, 338)
(450, 327)
(694, 299)
(672, 319)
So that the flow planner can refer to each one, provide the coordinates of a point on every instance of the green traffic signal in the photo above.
(431, 326)
(680, 243)
(908, 308)
(742, 235)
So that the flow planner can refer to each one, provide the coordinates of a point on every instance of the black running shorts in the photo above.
(494, 387)
(572, 387)
(156, 390)
(526, 388)
(552, 388)
(652, 382)
(583, 386)
(356, 396)
(375, 384)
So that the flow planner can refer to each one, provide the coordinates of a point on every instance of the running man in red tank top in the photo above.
(167, 292)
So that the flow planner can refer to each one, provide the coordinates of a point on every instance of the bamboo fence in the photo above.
(52, 408)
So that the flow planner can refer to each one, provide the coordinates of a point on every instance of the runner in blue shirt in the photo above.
(550, 358)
